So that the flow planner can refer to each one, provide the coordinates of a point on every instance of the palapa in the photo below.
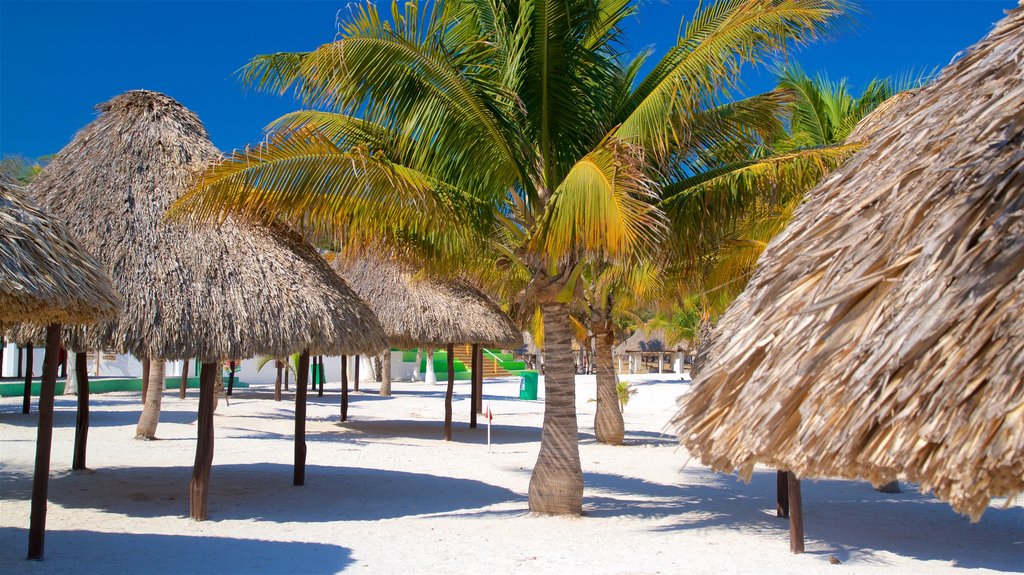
(45, 275)
(426, 311)
(646, 340)
(231, 291)
(882, 332)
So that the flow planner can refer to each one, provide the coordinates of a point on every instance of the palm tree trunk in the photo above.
(385, 373)
(151, 408)
(70, 381)
(556, 486)
(431, 377)
(145, 379)
(415, 367)
(608, 425)
(81, 372)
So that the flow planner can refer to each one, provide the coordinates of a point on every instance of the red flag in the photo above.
(487, 413)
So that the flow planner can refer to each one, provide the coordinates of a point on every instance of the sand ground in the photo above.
(385, 493)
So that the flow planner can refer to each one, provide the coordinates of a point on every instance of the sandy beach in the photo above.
(385, 493)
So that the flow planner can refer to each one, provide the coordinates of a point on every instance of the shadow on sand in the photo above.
(841, 518)
(264, 491)
(85, 551)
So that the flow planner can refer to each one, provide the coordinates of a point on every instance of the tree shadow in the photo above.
(428, 429)
(76, 551)
(841, 518)
(66, 410)
(264, 491)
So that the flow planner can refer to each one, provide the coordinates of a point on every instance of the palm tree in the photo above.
(463, 131)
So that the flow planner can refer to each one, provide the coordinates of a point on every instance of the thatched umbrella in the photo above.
(427, 312)
(650, 341)
(882, 332)
(210, 293)
(46, 279)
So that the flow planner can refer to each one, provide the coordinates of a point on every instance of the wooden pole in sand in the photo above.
(796, 515)
(299, 475)
(82, 417)
(782, 494)
(474, 370)
(344, 388)
(44, 438)
(199, 486)
(449, 393)
(480, 379)
(355, 374)
(26, 401)
(184, 379)
(320, 375)
(323, 375)
(277, 380)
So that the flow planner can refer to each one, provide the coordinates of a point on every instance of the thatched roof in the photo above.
(422, 312)
(45, 276)
(208, 292)
(882, 332)
(881, 117)
(650, 341)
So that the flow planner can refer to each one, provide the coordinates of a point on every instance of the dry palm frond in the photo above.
(882, 333)
(45, 277)
(235, 290)
(424, 311)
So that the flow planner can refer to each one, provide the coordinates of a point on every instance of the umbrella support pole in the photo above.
(44, 440)
(299, 476)
(448, 394)
(27, 399)
(82, 417)
(474, 371)
(344, 388)
(782, 494)
(355, 374)
(796, 515)
(479, 378)
(199, 486)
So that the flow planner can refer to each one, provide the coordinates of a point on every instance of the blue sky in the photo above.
(59, 59)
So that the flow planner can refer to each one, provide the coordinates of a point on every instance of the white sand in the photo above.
(385, 493)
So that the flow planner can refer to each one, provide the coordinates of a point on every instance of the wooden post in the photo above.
(44, 438)
(3, 346)
(480, 380)
(145, 379)
(782, 494)
(277, 380)
(299, 476)
(63, 362)
(18, 374)
(474, 370)
(231, 377)
(27, 400)
(199, 486)
(312, 381)
(355, 374)
(82, 417)
(796, 515)
(323, 375)
(184, 379)
(344, 388)
(286, 378)
(449, 393)
(320, 375)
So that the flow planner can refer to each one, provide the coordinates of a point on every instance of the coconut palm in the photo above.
(512, 128)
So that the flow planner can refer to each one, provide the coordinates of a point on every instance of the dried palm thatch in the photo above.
(235, 290)
(882, 332)
(45, 277)
(881, 117)
(421, 312)
(650, 341)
